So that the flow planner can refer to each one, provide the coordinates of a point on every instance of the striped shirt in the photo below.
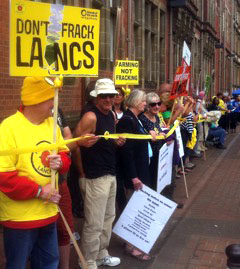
(188, 124)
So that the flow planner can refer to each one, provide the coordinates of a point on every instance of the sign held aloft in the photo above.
(179, 87)
(49, 39)
(126, 72)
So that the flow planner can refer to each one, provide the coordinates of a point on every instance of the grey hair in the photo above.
(135, 97)
(150, 96)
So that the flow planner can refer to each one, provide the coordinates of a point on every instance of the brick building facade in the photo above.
(152, 32)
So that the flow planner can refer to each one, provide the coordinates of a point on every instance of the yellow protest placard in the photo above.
(126, 72)
(49, 39)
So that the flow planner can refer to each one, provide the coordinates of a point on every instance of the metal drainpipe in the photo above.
(87, 4)
(171, 47)
(129, 38)
(232, 46)
(202, 59)
(220, 56)
(224, 39)
(143, 41)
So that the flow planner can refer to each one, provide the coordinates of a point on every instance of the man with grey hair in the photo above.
(99, 183)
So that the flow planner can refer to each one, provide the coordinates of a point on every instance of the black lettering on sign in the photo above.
(84, 35)
(70, 30)
(19, 26)
(86, 53)
(72, 46)
(19, 58)
(31, 27)
(63, 58)
(90, 31)
(28, 27)
(36, 27)
(39, 57)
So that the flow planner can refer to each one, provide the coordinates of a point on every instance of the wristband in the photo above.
(39, 191)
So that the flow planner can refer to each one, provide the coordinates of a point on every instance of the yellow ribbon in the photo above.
(56, 146)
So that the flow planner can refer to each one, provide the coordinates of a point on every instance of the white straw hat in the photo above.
(103, 86)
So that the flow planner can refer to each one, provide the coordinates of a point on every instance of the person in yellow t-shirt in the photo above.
(223, 122)
(29, 221)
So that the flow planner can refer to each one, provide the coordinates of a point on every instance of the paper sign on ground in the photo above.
(164, 166)
(49, 39)
(144, 218)
(179, 141)
(126, 72)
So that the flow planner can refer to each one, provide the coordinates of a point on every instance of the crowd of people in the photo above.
(108, 170)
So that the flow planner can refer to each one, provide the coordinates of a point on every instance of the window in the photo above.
(137, 30)
(150, 59)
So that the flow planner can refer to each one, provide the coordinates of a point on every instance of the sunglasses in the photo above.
(155, 104)
(105, 96)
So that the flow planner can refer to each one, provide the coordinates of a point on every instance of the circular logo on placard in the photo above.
(40, 161)
(83, 12)
(19, 7)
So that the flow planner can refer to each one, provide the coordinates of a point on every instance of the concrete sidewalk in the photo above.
(195, 236)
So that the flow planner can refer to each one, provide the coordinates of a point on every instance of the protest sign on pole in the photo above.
(180, 82)
(144, 218)
(186, 60)
(179, 141)
(126, 72)
(186, 55)
(164, 176)
(49, 39)
(181, 154)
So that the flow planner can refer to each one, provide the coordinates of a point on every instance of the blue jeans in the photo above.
(218, 132)
(38, 245)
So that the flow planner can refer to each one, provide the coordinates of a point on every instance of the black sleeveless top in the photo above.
(99, 160)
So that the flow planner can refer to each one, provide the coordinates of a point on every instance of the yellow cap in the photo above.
(36, 90)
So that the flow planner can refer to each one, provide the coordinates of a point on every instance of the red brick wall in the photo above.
(10, 87)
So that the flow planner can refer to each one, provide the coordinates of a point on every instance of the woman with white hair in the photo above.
(133, 157)
(151, 123)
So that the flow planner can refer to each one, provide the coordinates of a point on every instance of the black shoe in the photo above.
(220, 146)
(180, 205)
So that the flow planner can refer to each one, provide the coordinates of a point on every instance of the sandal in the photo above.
(177, 176)
(180, 172)
(137, 254)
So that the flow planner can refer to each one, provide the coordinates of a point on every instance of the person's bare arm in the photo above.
(87, 127)
(176, 113)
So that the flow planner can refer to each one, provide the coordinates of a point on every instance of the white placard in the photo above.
(144, 218)
(186, 55)
(164, 166)
(179, 141)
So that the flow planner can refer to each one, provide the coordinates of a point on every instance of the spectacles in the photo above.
(105, 96)
(155, 104)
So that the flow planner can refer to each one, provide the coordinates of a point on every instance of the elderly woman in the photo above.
(151, 123)
(133, 157)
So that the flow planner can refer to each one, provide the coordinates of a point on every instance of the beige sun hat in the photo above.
(103, 86)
